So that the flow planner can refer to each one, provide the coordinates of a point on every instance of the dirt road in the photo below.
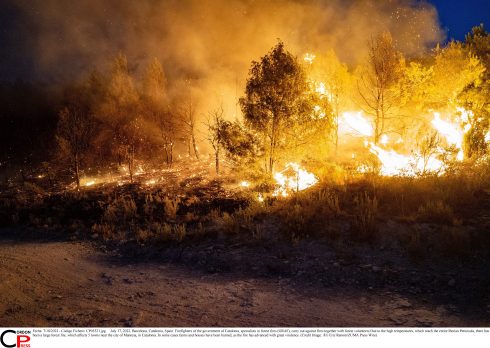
(72, 284)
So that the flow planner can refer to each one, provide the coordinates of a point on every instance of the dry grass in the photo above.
(121, 209)
(365, 216)
(437, 212)
(171, 207)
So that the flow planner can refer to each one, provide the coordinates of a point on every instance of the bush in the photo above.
(331, 201)
(106, 231)
(179, 232)
(171, 207)
(229, 224)
(365, 216)
(121, 210)
(437, 212)
(295, 222)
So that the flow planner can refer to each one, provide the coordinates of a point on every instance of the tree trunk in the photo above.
(272, 155)
(382, 109)
(167, 158)
(131, 164)
(194, 146)
(216, 154)
(77, 172)
(272, 147)
(336, 131)
(265, 152)
(171, 153)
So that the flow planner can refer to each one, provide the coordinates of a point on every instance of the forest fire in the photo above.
(355, 124)
(293, 179)
(395, 164)
(242, 162)
(452, 132)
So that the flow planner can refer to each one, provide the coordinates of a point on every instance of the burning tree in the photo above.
(121, 114)
(333, 87)
(377, 85)
(242, 145)
(476, 96)
(216, 136)
(188, 120)
(155, 104)
(75, 131)
(276, 98)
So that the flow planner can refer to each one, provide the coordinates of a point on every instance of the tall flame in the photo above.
(453, 134)
(356, 124)
(394, 163)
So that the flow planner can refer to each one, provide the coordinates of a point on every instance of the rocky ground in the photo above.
(55, 283)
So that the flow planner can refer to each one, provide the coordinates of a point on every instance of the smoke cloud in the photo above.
(211, 43)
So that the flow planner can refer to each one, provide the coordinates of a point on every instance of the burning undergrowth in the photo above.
(177, 211)
(361, 231)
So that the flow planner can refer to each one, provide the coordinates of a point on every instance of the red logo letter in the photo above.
(20, 337)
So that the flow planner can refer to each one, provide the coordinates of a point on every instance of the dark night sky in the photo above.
(457, 17)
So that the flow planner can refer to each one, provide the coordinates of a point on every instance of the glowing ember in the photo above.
(260, 198)
(355, 124)
(293, 179)
(244, 184)
(309, 58)
(87, 181)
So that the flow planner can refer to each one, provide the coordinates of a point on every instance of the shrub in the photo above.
(295, 223)
(179, 232)
(437, 212)
(171, 207)
(122, 209)
(331, 201)
(162, 232)
(106, 231)
(214, 214)
(229, 223)
(258, 232)
(149, 206)
(365, 216)
(143, 235)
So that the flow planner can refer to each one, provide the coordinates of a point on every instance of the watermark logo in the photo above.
(15, 339)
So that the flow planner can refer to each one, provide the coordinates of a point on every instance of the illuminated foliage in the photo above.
(378, 83)
(276, 100)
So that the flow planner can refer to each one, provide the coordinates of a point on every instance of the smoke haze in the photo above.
(211, 43)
